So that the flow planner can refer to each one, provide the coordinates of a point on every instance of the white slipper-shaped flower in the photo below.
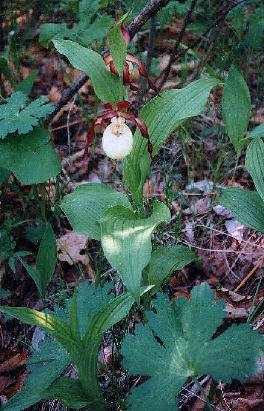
(117, 139)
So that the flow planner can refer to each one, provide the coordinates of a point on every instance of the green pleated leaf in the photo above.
(247, 206)
(236, 107)
(163, 262)
(126, 241)
(255, 164)
(107, 87)
(96, 312)
(86, 205)
(185, 348)
(48, 322)
(163, 114)
(30, 157)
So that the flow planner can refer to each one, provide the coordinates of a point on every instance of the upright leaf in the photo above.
(163, 114)
(247, 207)
(86, 205)
(107, 87)
(46, 258)
(236, 107)
(30, 157)
(255, 164)
(186, 348)
(126, 241)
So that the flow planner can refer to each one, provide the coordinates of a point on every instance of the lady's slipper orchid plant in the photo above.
(117, 139)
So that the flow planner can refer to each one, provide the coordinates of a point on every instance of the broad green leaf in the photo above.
(30, 157)
(44, 366)
(4, 175)
(25, 86)
(257, 131)
(15, 117)
(86, 205)
(186, 348)
(117, 47)
(107, 87)
(126, 241)
(236, 107)
(255, 164)
(163, 114)
(163, 262)
(46, 258)
(247, 206)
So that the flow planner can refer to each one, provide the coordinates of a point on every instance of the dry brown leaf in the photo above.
(16, 361)
(71, 248)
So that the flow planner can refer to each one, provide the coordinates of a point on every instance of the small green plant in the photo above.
(182, 339)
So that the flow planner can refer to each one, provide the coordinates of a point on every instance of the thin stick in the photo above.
(258, 264)
(177, 44)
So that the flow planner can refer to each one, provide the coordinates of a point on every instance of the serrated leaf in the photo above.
(255, 164)
(14, 116)
(186, 349)
(165, 260)
(163, 114)
(30, 157)
(117, 47)
(107, 87)
(126, 241)
(86, 205)
(44, 366)
(247, 206)
(236, 107)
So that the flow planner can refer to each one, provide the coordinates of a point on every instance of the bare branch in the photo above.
(151, 8)
(177, 44)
